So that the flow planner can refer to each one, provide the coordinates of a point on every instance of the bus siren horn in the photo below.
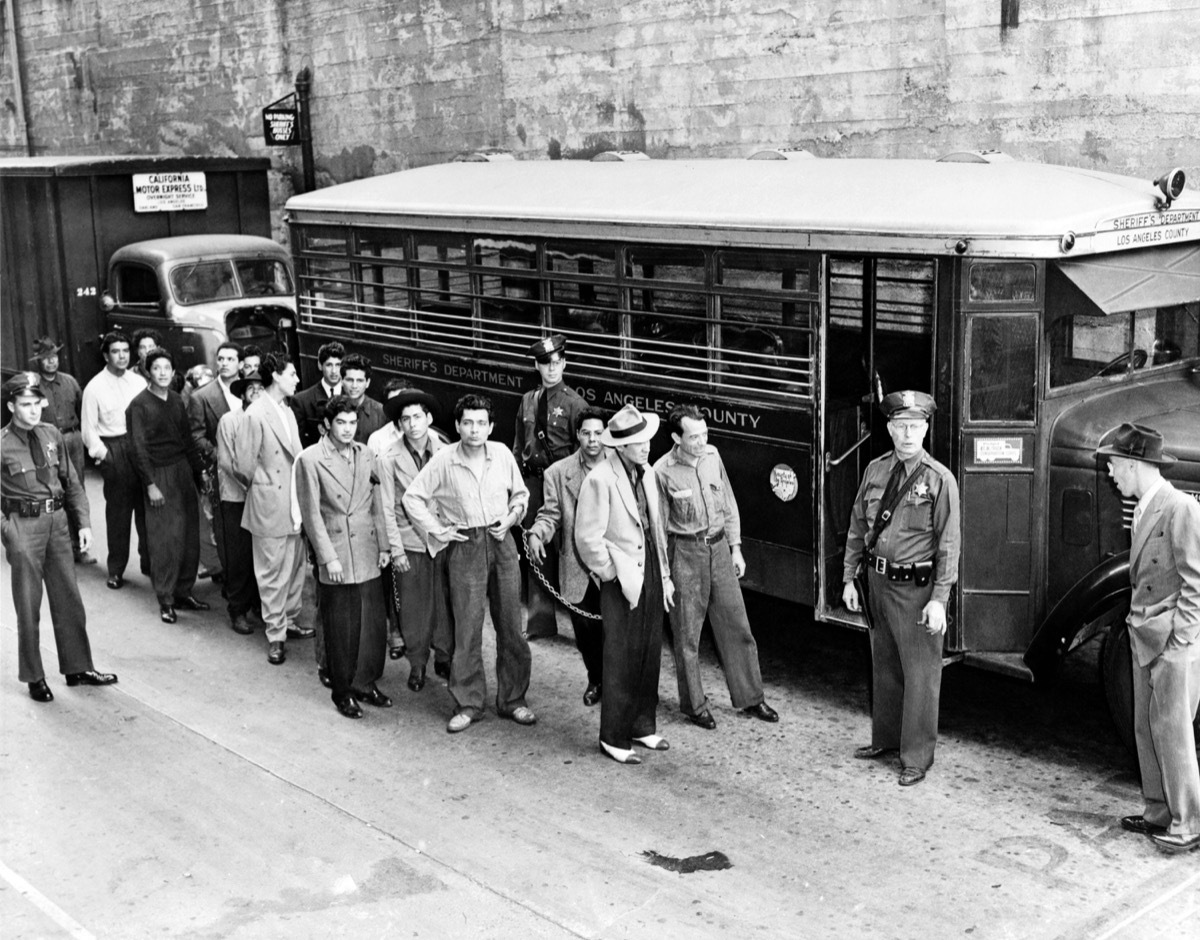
(1171, 185)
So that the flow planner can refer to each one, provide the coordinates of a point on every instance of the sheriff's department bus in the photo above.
(785, 295)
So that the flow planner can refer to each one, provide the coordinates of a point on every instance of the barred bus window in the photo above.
(669, 311)
(1003, 368)
(326, 296)
(584, 301)
(510, 308)
(384, 273)
(441, 294)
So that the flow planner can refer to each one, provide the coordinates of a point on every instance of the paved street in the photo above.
(210, 794)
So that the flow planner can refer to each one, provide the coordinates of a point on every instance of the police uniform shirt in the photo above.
(924, 524)
(63, 398)
(563, 405)
(19, 476)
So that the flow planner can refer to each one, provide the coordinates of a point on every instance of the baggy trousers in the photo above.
(484, 571)
(906, 666)
(279, 568)
(237, 545)
(706, 584)
(172, 530)
(589, 634)
(351, 614)
(39, 549)
(632, 658)
(424, 614)
(123, 494)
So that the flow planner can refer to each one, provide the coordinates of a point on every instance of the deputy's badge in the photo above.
(51, 452)
(783, 482)
(558, 411)
(921, 490)
(908, 399)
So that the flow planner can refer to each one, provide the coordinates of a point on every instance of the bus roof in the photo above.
(1008, 208)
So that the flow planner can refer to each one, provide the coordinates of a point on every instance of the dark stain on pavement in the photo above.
(709, 861)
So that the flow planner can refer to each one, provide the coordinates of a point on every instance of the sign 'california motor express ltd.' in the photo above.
(169, 192)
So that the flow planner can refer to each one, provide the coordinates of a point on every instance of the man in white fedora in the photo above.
(620, 538)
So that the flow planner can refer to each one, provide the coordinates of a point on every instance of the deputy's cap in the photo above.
(1135, 441)
(239, 385)
(394, 406)
(543, 349)
(629, 426)
(23, 383)
(908, 405)
(42, 347)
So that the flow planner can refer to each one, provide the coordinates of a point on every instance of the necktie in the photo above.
(1137, 517)
(893, 484)
(541, 421)
(39, 459)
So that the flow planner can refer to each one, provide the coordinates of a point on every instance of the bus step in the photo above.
(1008, 664)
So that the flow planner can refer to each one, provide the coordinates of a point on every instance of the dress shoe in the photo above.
(871, 752)
(1141, 825)
(1174, 843)
(522, 715)
(704, 720)
(910, 776)
(348, 707)
(91, 677)
(653, 742)
(115, 582)
(300, 633)
(40, 692)
(762, 711)
(459, 722)
(396, 652)
(323, 675)
(166, 613)
(190, 603)
(277, 653)
(255, 619)
(592, 695)
(373, 696)
(240, 624)
(441, 667)
(619, 754)
(84, 558)
(416, 679)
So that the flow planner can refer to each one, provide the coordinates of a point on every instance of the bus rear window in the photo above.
(1085, 346)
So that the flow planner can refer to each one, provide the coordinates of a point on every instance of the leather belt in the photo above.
(30, 508)
(918, 571)
(697, 537)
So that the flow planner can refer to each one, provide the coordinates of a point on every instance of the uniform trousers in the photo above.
(424, 615)
(237, 560)
(352, 616)
(279, 568)
(632, 658)
(39, 548)
(1165, 696)
(173, 532)
(76, 454)
(906, 669)
(123, 494)
(484, 572)
(589, 634)
(707, 585)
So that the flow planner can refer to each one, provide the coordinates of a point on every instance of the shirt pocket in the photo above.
(683, 504)
(916, 516)
(21, 472)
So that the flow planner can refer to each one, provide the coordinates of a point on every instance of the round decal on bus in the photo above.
(783, 482)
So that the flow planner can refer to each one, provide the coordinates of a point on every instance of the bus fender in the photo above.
(1091, 595)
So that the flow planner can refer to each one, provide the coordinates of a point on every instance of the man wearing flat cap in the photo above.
(36, 482)
(904, 529)
(1164, 634)
(545, 433)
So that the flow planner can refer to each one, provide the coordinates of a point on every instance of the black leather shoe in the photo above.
(190, 603)
(396, 652)
(441, 668)
(704, 720)
(348, 707)
(277, 653)
(323, 675)
(301, 633)
(115, 582)
(592, 695)
(166, 613)
(871, 752)
(416, 679)
(91, 677)
(762, 711)
(373, 696)
(1140, 825)
(910, 777)
(40, 692)
(240, 624)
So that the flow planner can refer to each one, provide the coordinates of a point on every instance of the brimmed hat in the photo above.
(238, 385)
(43, 347)
(22, 383)
(629, 426)
(395, 405)
(1135, 441)
(544, 349)
(908, 405)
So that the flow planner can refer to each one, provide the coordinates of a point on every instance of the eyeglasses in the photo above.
(909, 425)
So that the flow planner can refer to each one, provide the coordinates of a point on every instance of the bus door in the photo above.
(878, 337)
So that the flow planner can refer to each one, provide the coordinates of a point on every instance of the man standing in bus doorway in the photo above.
(620, 537)
(106, 438)
(63, 408)
(309, 405)
(476, 487)
(1164, 634)
(704, 548)
(545, 432)
(905, 528)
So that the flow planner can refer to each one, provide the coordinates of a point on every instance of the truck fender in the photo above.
(1097, 591)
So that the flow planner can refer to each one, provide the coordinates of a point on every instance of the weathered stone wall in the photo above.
(1109, 84)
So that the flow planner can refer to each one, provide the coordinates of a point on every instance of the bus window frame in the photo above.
(971, 320)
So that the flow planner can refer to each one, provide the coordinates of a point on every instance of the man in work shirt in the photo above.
(911, 558)
(545, 432)
(106, 438)
(36, 481)
(64, 399)
(704, 547)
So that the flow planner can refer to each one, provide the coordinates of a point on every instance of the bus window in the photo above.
(137, 285)
(995, 282)
(1003, 363)
(509, 306)
(584, 300)
(1086, 346)
(382, 255)
(327, 302)
(668, 332)
(443, 290)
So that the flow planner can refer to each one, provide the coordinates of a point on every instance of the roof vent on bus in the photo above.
(976, 156)
(486, 155)
(619, 156)
(783, 153)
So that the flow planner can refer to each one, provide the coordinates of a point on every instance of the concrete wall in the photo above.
(1110, 84)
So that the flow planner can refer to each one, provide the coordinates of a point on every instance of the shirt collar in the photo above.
(1149, 494)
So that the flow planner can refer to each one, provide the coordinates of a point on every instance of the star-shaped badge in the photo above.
(921, 489)
(558, 412)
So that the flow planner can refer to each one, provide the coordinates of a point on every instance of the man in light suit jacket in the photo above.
(620, 537)
(561, 483)
(264, 454)
(1164, 633)
(342, 511)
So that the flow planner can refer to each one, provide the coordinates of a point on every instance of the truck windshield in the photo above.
(262, 277)
(204, 281)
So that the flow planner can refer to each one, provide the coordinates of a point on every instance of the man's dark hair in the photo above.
(272, 363)
(115, 336)
(472, 403)
(679, 412)
(159, 353)
(334, 350)
(251, 350)
(147, 333)
(394, 384)
(337, 405)
(229, 344)
(356, 362)
(590, 414)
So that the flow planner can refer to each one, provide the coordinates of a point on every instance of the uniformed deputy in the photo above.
(36, 481)
(545, 433)
(905, 529)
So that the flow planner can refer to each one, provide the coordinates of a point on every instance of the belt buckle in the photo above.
(880, 565)
(48, 505)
